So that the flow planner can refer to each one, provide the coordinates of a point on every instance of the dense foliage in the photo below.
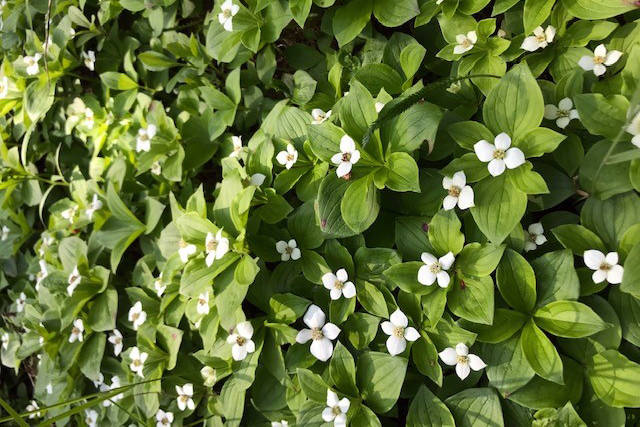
(320, 212)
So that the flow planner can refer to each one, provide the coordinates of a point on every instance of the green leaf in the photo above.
(371, 298)
(313, 386)
(444, 233)
(540, 353)
(556, 277)
(476, 407)
(170, 339)
(614, 379)
(357, 111)
(330, 195)
(516, 281)
(601, 115)
(596, 9)
(405, 276)
(507, 367)
(361, 329)
(342, 370)
(631, 277)
(350, 20)
(505, 324)
(402, 173)
(577, 238)
(91, 355)
(471, 298)
(38, 98)
(539, 141)
(380, 76)
(103, 311)
(466, 134)
(535, 13)
(479, 260)
(287, 308)
(425, 357)
(426, 410)
(117, 81)
(611, 218)
(393, 14)
(380, 378)
(156, 61)
(360, 206)
(408, 131)
(569, 319)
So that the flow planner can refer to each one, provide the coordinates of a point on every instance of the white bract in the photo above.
(320, 332)
(5, 233)
(338, 284)
(498, 154)
(281, 423)
(49, 388)
(76, 331)
(562, 114)
(288, 250)
(31, 62)
(115, 338)
(73, 280)
(534, 237)
(237, 146)
(465, 42)
(460, 193)
(215, 247)
(4, 87)
(31, 407)
(399, 333)
(156, 168)
(70, 213)
(605, 267)
(203, 303)
(185, 397)
(634, 129)
(5, 340)
(159, 286)
(115, 383)
(241, 340)
(89, 59)
(209, 375)
(462, 360)
(137, 361)
(229, 10)
(336, 409)
(164, 419)
(145, 135)
(185, 250)
(137, 316)
(95, 205)
(288, 157)
(435, 269)
(347, 157)
(319, 116)
(540, 39)
(91, 418)
(600, 60)
(20, 302)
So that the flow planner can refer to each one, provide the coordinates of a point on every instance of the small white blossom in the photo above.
(70, 213)
(634, 129)
(288, 250)
(185, 250)
(203, 303)
(229, 10)
(89, 59)
(209, 375)
(534, 237)
(31, 407)
(562, 114)
(76, 331)
(159, 286)
(347, 157)
(115, 383)
(499, 156)
(435, 269)
(237, 146)
(137, 361)
(338, 284)
(289, 157)
(398, 332)
(465, 42)
(540, 39)
(215, 246)
(20, 302)
(460, 193)
(336, 409)
(4, 87)
(320, 332)
(185, 397)
(241, 341)
(115, 338)
(156, 169)
(31, 63)
(5, 233)
(600, 60)
(281, 423)
(91, 418)
(49, 388)
(95, 205)
(100, 381)
(5, 340)
(319, 116)
(164, 419)
(605, 267)
(42, 274)
(462, 360)
(137, 316)
(145, 135)
(74, 280)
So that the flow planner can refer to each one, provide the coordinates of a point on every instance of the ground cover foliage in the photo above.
(320, 212)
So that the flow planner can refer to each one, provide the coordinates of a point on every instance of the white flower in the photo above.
(465, 42)
(606, 266)
(347, 157)
(540, 39)
(5, 233)
(76, 331)
(237, 146)
(336, 410)
(281, 423)
(89, 58)
(20, 302)
(31, 407)
(70, 213)
(145, 135)
(215, 246)
(499, 155)
(460, 193)
(319, 116)
(288, 250)
(257, 179)
(209, 375)
(462, 360)
(4, 87)
(42, 274)
(115, 383)
(185, 250)
(320, 332)
(32, 64)
(435, 269)
(241, 340)
(157, 284)
(379, 106)
(398, 332)
(96, 204)
(338, 284)
(156, 169)
(562, 114)
(74, 280)
(5, 340)
(203, 303)
(289, 157)
(115, 338)
(91, 418)
(100, 381)
(600, 60)
(225, 17)
(164, 419)
(185, 394)
(634, 129)
(137, 316)
(137, 361)
(534, 237)
(49, 388)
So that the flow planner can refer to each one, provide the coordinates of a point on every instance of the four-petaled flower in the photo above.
(115, 338)
(145, 135)
(5, 233)
(319, 116)
(399, 333)
(137, 360)
(241, 340)
(320, 332)
(288, 157)
(460, 193)
(281, 423)
(498, 154)
(600, 60)
(336, 409)
(96, 204)
(32, 407)
(158, 285)
(347, 157)
(185, 250)
(338, 284)
(634, 129)
(91, 418)
(237, 146)
(605, 267)
(32, 64)
(288, 250)
(89, 59)
(435, 269)
(137, 316)
(540, 39)
(73, 280)
(562, 114)
(20, 302)
(203, 303)
(462, 360)
(185, 397)
(534, 237)
(164, 419)
(229, 10)
(209, 375)
(76, 331)
(215, 247)
(465, 42)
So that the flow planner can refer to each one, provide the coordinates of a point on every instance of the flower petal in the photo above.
(614, 275)
(550, 112)
(462, 369)
(484, 150)
(332, 398)
(612, 57)
(387, 327)
(611, 258)
(322, 349)
(514, 157)
(449, 356)
(449, 203)
(425, 276)
(600, 50)
(398, 318)
(593, 258)
(443, 279)
(330, 331)
(465, 200)
(343, 169)
(411, 334)
(462, 349)
(314, 317)
(599, 276)
(586, 63)
(347, 145)
(446, 261)
(349, 290)
(245, 329)
(476, 363)
(396, 345)
(328, 415)
(427, 258)
(502, 141)
(530, 44)
(496, 167)
(303, 336)
(342, 275)
(565, 104)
